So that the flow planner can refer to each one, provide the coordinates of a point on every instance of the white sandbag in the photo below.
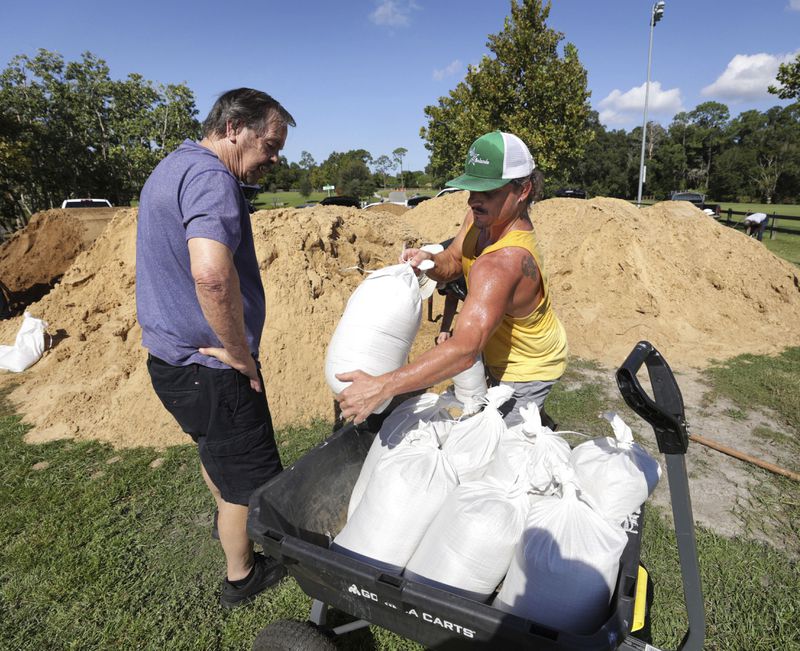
(378, 326)
(617, 473)
(470, 386)
(404, 418)
(469, 546)
(565, 567)
(529, 451)
(28, 346)
(403, 496)
(472, 441)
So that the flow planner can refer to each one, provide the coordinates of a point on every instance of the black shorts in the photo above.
(230, 423)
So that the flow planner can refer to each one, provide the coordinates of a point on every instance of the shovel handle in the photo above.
(665, 410)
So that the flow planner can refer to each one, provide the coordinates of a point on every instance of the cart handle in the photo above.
(665, 413)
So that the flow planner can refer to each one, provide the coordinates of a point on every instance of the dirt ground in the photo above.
(721, 486)
(669, 274)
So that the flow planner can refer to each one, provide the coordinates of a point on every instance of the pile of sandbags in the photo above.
(507, 516)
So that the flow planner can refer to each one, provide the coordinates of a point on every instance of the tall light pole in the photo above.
(655, 15)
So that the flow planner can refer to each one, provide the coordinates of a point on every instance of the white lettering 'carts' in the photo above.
(426, 617)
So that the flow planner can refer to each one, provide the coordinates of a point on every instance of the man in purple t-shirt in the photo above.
(200, 303)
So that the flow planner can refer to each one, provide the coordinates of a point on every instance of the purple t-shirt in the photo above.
(191, 194)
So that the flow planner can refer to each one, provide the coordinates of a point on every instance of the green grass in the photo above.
(751, 380)
(750, 591)
(267, 200)
(103, 549)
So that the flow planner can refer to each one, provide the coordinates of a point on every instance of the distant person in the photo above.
(507, 315)
(200, 302)
(755, 224)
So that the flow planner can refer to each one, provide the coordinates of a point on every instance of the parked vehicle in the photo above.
(415, 201)
(350, 202)
(699, 200)
(86, 203)
(571, 193)
(447, 191)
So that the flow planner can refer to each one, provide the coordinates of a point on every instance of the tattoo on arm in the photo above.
(529, 268)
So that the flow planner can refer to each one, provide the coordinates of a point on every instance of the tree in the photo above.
(304, 186)
(354, 179)
(708, 123)
(307, 164)
(525, 88)
(398, 155)
(383, 165)
(608, 163)
(789, 78)
(349, 172)
(70, 130)
(306, 160)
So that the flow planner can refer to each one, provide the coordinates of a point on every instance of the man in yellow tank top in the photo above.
(507, 315)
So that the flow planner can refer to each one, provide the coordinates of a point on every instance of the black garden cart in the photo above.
(295, 515)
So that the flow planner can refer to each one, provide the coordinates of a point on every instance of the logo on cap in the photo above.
(473, 158)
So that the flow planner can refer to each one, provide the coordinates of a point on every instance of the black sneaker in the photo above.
(266, 573)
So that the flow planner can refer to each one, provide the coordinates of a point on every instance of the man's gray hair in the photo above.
(244, 107)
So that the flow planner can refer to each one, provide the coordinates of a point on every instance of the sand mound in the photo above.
(438, 219)
(46, 247)
(94, 383)
(669, 274)
(390, 208)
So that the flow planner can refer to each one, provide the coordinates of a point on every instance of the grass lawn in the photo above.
(267, 200)
(110, 549)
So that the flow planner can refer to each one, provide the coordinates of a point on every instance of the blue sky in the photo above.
(358, 74)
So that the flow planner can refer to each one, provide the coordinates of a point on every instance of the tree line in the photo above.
(68, 130)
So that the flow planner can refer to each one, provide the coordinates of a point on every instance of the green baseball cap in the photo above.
(493, 160)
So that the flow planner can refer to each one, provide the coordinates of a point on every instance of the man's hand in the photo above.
(414, 257)
(362, 397)
(245, 366)
(443, 336)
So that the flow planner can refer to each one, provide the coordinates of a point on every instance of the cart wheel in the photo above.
(291, 635)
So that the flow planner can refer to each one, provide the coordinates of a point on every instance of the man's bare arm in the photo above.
(217, 287)
(492, 285)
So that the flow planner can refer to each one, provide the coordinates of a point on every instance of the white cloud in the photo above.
(393, 13)
(450, 69)
(619, 108)
(747, 76)
(794, 5)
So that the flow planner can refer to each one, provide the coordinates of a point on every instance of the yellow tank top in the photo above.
(528, 348)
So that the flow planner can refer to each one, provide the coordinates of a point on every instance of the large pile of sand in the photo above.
(439, 219)
(391, 208)
(46, 247)
(94, 383)
(669, 274)
(696, 289)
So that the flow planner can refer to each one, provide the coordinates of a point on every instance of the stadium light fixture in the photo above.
(656, 14)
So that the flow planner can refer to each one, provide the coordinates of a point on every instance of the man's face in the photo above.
(495, 206)
(257, 153)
